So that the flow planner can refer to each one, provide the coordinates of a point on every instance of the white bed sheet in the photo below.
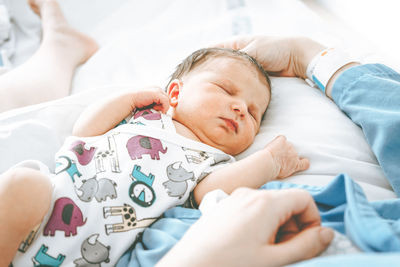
(141, 43)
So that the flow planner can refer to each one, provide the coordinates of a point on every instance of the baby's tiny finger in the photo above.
(161, 102)
(304, 164)
(165, 103)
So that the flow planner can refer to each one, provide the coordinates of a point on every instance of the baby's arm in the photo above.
(104, 115)
(278, 159)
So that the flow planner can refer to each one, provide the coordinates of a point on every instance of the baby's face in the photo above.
(222, 102)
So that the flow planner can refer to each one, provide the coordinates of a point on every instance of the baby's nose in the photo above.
(239, 110)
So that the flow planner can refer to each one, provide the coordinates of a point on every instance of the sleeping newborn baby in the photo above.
(129, 160)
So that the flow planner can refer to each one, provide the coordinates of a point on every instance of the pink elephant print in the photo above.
(139, 145)
(66, 216)
(83, 155)
(147, 114)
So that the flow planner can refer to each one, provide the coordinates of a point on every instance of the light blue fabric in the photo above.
(370, 96)
(373, 227)
(355, 260)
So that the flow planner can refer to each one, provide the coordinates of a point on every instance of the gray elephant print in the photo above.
(178, 176)
(100, 190)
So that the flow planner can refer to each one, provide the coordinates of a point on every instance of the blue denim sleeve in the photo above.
(370, 96)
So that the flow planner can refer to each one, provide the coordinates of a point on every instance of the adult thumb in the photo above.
(305, 245)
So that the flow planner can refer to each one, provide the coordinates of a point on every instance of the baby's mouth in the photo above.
(231, 124)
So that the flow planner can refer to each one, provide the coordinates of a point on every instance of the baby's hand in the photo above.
(152, 97)
(285, 157)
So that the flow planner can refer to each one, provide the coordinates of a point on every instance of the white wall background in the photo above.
(373, 21)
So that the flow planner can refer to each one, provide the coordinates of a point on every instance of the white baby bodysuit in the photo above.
(107, 189)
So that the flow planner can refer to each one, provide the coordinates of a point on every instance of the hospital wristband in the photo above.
(324, 65)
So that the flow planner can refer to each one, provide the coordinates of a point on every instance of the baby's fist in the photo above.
(285, 157)
(153, 97)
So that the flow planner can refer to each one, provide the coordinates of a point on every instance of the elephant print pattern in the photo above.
(66, 216)
(109, 188)
(140, 145)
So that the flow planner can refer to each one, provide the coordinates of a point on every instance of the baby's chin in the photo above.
(232, 150)
(231, 146)
(235, 151)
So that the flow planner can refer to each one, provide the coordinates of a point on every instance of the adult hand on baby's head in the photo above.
(280, 56)
(285, 157)
(151, 96)
(251, 228)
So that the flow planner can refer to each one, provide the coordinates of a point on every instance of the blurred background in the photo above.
(374, 21)
(133, 34)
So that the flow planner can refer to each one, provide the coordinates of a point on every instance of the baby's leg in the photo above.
(48, 73)
(25, 196)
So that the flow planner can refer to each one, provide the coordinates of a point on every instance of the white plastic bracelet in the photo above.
(324, 65)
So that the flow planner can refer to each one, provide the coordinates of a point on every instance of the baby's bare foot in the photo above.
(59, 34)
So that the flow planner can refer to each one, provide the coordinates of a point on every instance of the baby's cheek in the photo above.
(247, 139)
(251, 135)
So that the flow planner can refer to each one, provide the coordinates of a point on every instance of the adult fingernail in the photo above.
(326, 235)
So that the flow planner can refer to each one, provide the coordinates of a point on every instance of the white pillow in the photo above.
(321, 132)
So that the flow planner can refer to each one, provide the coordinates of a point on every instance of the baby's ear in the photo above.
(174, 88)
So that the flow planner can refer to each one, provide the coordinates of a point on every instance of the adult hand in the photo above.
(253, 228)
(280, 56)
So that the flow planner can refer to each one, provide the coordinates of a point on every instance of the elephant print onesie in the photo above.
(108, 188)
